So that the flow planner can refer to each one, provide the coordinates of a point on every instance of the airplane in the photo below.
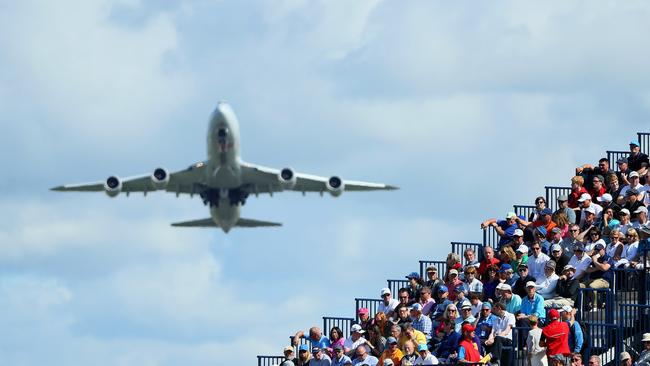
(224, 181)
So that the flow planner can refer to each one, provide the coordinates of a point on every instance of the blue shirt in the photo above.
(322, 343)
(536, 306)
(340, 362)
(423, 324)
(448, 345)
(508, 230)
(576, 338)
(484, 326)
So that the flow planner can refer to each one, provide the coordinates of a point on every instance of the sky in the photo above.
(468, 106)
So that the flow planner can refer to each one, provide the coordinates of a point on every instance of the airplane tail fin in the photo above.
(242, 222)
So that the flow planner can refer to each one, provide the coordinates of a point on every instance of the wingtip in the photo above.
(57, 188)
(392, 188)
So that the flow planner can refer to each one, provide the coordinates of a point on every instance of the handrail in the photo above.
(644, 142)
(552, 193)
(613, 155)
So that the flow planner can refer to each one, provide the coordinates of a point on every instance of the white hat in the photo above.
(356, 328)
(556, 247)
(505, 287)
(625, 356)
(646, 337)
(584, 197)
(567, 308)
(452, 271)
(641, 209)
(287, 348)
(385, 291)
(522, 249)
(645, 228)
(633, 174)
(518, 232)
(605, 198)
(625, 211)
(591, 209)
(530, 284)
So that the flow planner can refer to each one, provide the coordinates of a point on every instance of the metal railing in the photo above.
(460, 247)
(524, 210)
(644, 142)
(603, 341)
(490, 237)
(396, 285)
(269, 360)
(596, 305)
(633, 320)
(613, 155)
(343, 323)
(552, 193)
(370, 304)
(441, 265)
(628, 286)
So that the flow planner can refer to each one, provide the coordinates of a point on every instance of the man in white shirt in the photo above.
(580, 261)
(425, 357)
(634, 180)
(388, 304)
(501, 332)
(546, 284)
(354, 340)
(537, 261)
(585, 202)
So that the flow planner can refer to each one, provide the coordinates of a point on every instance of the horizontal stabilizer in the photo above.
(240, 223)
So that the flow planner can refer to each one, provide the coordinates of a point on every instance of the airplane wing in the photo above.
(183, 181)
(210, 223)
(265, 180)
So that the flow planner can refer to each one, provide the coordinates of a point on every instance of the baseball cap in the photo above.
(505, 267)
(635, 143)
(467, 328)
(553, 314)
(511, 215)
(315, 350)
(337, 347)
(417, 306)
(605, 198)
(550, 264)
(530, 284)
(556, 230)
(385, 291)
(625, 211)
(413, 275)
(633, 174)
(567, 308)
(579, 247)
(356, 328)
(522, 249)
(556, 247)
(453, 271)
(518, 232)
(422, 347)
(486, 305)
(522, 265)
(641, 209)
(568, 267)
(303, 347)
(460, 289)
(287, 348)
(562, 198)
(591, 210)
(646, 337)
(645, 228)
(466, 305)
(541, 230)
(584, 197)
(632, 192)
(504, 287)
(443, 288)
(599, 246)
(625, 356)
(546, 211)
(363, 311)
(391, 340)
(621, 160)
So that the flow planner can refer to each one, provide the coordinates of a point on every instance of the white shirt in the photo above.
(476, 310)
(646, 195)
(429, 360)
(639, 187)
(475, 286)
(392, 304)
(630, 251)
(546, 286)
(536, 265)
(501, 324)
(596, 207)
(352, 345)
(580, 264)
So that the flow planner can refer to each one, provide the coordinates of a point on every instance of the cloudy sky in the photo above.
(468, 106)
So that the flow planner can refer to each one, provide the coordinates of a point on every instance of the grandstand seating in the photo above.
(616, 328)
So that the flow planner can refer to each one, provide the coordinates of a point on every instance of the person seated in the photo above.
(316, 338)
(563, 207)
(433, 281)
(599, 271)
(441, 306)
(490, 283)
(506, 275)
(510, 300)
(339, 358)
(488, 260)
(387, 304)
(570, 241)
(485, 322)
(468, 350)
(364, 358)
(634, 183)
(598, 186)
(449, 339)
(566, 290)
(532, 304)
(475, 301)
(471, 260)
(538, 260)
(577, 190)
(426, 300)
(579, 261)
(403, 316)
(452, 282)
(392, 353)
(504, 228)
(410, 354)
(633, 200)
(420, 321)
(586, 203)
(415, 286)
(524, 277)
(521, 256)
(473, 285)
(641, 213)
(461, 296)
(547, 283)
(404, 300)
(501, 334)
(465, 317)
(425, 357)
(355, 340)
(560, 259)
(319, 358)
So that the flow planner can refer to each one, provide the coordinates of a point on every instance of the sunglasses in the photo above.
(574, 230)
(522, 269)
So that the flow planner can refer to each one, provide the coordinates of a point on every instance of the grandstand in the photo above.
(614, 327)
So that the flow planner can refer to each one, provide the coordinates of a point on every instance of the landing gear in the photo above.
(235, 196)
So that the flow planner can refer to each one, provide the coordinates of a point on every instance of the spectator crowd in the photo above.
(530, 279)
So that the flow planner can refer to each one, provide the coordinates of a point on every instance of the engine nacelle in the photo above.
(335, 186)
(287, 178)
(113, 186)
(160, 178)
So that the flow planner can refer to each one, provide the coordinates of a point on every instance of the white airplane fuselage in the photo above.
(223, 171)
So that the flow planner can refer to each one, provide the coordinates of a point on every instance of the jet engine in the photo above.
(335, 186)
(287, 178)
(160, 178)
(113, 186)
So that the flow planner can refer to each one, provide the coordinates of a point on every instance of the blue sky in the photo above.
(469, 107)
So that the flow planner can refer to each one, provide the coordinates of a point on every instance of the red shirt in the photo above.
(485, 264)
(556, 335)
(574, 196)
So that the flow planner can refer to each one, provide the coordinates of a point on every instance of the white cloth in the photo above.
(631, 250)
(476, 310)
(589, 246)
(429, 360)
(352, 345)
(501, 324)
(392, 304)
(580, 264)
(546, 286)
(536, 353)
(596, 207)
(639, 187)
(536, 265)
